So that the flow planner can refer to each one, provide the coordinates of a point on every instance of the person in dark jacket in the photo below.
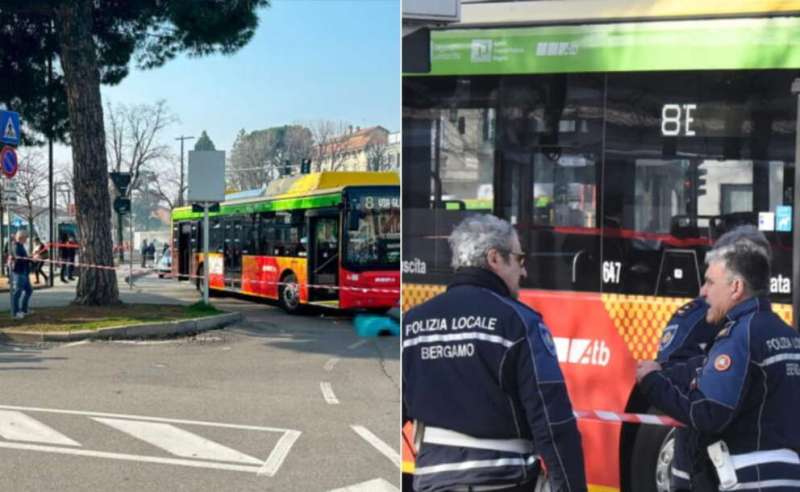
(743, 399)
(21, 270)
(481, 379)
(686, 337)
(68, 252)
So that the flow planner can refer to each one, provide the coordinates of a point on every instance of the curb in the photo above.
(144, 330)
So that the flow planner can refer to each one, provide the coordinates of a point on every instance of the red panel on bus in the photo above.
(260, 275)
(371, 289)
(598, 368)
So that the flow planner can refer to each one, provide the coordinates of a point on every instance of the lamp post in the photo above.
(180, 189)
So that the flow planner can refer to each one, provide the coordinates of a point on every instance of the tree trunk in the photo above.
(90, 168)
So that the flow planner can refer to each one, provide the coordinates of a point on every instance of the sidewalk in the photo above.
(61, 295)
(41, 285)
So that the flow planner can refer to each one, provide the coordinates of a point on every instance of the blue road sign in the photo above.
(9, 127)
(783, 218)
(8, 156)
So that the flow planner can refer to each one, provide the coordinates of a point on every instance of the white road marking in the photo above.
(375, 441)
(276, 457)
(75, 344)
(327, 393)
(331, 362)
(143, 417)
(178, 441)
(129, 457)
(357, 344)
(377, 485)
(269, 467)
(16, 426)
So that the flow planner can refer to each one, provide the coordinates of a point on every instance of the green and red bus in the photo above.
(327, 238)
(621, 140)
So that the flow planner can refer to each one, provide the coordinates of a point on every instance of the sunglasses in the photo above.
(519, 256)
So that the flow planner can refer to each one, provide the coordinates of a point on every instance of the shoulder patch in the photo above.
(722, 362)
(547, 339)
(668, 336)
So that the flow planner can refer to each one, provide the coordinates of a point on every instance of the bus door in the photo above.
(323, 256)
(233, 253)
(184, 248)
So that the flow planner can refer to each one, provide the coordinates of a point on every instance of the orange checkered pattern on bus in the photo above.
(640, 320)
(414, 294)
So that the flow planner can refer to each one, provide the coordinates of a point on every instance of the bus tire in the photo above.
(651, 460)
(289, 294)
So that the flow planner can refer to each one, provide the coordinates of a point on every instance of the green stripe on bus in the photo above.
(264, 206)
(756, 43)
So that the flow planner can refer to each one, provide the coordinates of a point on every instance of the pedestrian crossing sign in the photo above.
(9, 127)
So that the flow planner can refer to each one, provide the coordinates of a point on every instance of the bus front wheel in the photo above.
(289, 294)
(653, 451)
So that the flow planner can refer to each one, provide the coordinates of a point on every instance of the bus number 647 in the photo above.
(611, 271)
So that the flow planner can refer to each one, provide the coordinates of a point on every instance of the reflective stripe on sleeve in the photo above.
(485, 337)
(468, 465)
(762, 457)
(778, 358)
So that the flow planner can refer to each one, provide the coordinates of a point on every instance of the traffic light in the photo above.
(305, 166)
(701, 181)
(286, 170)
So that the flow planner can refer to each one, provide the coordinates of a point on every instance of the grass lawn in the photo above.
(71, 318)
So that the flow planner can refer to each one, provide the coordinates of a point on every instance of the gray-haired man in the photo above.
(481, 377)
(746, 391)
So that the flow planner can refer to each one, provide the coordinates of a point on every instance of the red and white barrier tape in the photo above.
(364, 290)
(633, 418)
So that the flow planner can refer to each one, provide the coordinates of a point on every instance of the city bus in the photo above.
(329, 238)
(620, 144)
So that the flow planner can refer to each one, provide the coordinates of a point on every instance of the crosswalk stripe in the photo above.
(377, 485)
(16, 426)
(376, 442)
(178, 441)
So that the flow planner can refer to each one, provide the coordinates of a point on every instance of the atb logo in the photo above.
(481, 51)
(582, 351)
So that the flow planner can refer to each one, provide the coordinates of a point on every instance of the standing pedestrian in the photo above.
(744, 395)
(143, 250)
(67, 252)
(481, 378)
(73, 256)
(21, 270)
(40, 254)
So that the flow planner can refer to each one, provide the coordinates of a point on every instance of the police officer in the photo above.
(743, 400)
(481, 378)
(685, 338)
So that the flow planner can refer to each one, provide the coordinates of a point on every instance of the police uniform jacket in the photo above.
(480, 372)
(747, 393)
(686, 338)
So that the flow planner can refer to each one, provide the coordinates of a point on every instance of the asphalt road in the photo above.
(276, 402)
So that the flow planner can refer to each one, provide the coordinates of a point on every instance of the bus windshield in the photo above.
(372, 225)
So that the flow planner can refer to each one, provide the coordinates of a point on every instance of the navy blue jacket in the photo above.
(22, 264)
(747, 393)
(480, 363)
(686, 337)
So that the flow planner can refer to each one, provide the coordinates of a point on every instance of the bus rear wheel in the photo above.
(651, 462)
(289, 294)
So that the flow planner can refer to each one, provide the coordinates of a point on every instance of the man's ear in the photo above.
(738, 289)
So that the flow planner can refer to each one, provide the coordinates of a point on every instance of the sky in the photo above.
(309, 60)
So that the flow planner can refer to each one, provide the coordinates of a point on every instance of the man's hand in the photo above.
(645, 367)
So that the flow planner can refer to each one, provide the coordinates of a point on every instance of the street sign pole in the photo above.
(130, 254)
(205, 253)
